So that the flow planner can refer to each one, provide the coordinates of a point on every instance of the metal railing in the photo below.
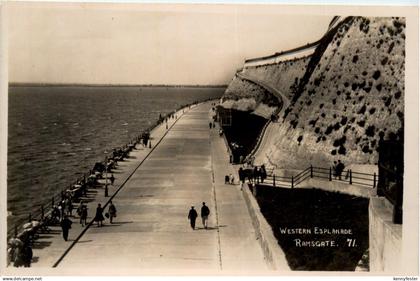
(349, 177)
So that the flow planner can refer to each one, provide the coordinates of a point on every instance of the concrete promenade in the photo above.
(151, 233)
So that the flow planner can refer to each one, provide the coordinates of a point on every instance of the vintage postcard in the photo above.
(209, 139)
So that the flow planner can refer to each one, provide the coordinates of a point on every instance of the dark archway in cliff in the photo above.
(243, 132)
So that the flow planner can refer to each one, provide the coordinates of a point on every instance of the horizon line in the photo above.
(35, 84)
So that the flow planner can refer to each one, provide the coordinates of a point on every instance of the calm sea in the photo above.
(57, 133)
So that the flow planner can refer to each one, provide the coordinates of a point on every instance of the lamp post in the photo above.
(106, 176)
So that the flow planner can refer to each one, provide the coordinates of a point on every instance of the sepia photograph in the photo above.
(209, 139)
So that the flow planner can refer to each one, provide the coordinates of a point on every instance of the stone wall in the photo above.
(283, 76)
(354, 96)
(385, 238)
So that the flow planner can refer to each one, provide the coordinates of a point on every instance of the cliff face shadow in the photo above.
(243, 134)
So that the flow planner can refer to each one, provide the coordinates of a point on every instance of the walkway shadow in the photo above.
(117, 223)
(210, 227)
(41, 244)
(116, 172)
(51, 232)
(43, 236)
(84, 241)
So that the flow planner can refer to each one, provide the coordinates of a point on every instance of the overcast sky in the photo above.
(147, 44)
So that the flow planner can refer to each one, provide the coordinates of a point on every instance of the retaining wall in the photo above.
(385, 238)
(271, 249)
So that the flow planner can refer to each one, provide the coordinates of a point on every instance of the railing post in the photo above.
(274, 180)
(16, 231)
(351, 180)
(312, 172)
(330, 175)
(42, 212)
(292, 182)
(374, 180)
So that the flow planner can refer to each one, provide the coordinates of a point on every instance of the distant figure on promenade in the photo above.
(231, 179)
(241, 174)
(340, 169)
(334, 170)
(65, 226)
(256, 174)
(61, 207)
(192, 216)
(27, 255)
(69, 205)
(83, 213)
(55, 215)
(210, 125)
(263, 174)
(112, 178)
(112, 211)
(226, 179)
(205, 212)
(99, 216)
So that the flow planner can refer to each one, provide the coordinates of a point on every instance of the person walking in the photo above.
(27, 255)
(112, 211)
(231, 179)
(83, 214)
(192, 216)
(99, 216)
(340, 169)
(205, 212)
(334, 170)
(112, 179)
(69, 207)
(65, 226)
(263, 173)
(241, 175)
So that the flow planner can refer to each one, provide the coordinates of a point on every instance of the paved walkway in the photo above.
(152, 234)
(49, 247)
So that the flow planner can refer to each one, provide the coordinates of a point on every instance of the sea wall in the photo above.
(385, 238)
(272, 251)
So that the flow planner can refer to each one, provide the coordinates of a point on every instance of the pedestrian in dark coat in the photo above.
(226, 179)
(83, 214)
(112, 211)
(241, 175)
(192, 216)
(27, 255)
(263, 173)
(205, 212)
(256, 174)
(65, 226)
(99, 216)
(340, 169)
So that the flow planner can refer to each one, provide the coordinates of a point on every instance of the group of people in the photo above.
(253, 174)
(192, 215)
(82, 211)
(229, 179)
(19, 253)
